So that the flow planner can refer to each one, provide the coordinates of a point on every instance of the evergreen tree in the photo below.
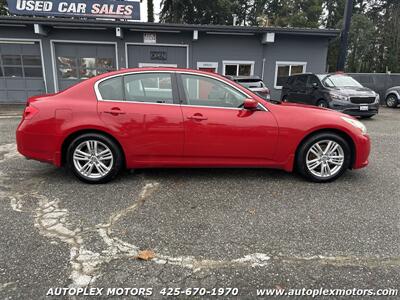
(150, 11)
(3, 7)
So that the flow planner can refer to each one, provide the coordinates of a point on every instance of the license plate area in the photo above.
(364, 107)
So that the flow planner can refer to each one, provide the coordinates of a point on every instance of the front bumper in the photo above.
(354, 109)
(363, 149)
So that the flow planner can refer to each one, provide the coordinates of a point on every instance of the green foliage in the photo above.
(3, 9)
(150, 11)
(197, 12)
(374, 39)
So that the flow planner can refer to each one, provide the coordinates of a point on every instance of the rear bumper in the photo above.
(363, 149)
(37, 146)
(354, 109)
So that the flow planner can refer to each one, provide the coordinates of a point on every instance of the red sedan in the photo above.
(167, 117)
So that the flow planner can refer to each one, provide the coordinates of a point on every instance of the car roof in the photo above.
(163, 69)
(244, 78)
(97, 79)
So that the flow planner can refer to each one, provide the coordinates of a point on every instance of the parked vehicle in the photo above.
(392, 96)
(254, 84)
(168, 117)
(336, 91)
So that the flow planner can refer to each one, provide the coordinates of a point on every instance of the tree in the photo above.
(150, 11)
(197, 12)
(391, 36)
(3, 7)
(361, 34)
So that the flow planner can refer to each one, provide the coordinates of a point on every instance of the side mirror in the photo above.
(250, 104)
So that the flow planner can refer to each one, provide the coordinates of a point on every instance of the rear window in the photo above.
(111, 89)
(141, 87)
(248, 83)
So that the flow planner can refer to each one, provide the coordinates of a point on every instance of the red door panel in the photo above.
(151, 132)
(230, 134)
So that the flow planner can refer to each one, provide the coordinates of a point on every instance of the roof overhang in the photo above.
(162, 27)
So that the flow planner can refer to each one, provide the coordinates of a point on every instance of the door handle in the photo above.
(115, 111)
(197, 117)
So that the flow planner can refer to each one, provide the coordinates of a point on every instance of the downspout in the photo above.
(263, 67)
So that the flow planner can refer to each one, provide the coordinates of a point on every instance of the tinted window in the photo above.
(311, 81)
(290, 81)
(150, 87)
(111, 89)
(300, 82)
(204, 91)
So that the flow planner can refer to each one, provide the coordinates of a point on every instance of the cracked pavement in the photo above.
(242, 228)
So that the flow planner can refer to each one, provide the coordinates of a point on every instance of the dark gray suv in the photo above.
(336, 91)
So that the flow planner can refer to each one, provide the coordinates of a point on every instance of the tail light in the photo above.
(264, 94)
(29, 112)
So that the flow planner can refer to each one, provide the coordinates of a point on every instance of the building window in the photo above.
(23, 66)
(84, 67)
(238, 68)
(285, 69)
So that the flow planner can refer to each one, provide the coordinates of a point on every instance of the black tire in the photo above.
(115, 166)
(367, 117)
(323, 103)
(301, 158)
(392, 101)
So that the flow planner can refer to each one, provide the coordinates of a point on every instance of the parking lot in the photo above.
(239, 228)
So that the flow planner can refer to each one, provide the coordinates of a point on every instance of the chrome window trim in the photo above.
(100, 98)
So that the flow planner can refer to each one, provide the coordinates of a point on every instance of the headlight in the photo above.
(340, 97)
(356, 124)
(377, 98)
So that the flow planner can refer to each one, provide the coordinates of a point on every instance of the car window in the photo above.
(341, 81)
(289, 81)
(111, 89)
(148, 87)
(204, 91)
(300, 82)
(311, 80)
(251, 83)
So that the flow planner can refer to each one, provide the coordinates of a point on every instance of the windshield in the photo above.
(340, 81)
(251, 83)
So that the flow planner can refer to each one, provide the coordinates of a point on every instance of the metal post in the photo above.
(344, 36)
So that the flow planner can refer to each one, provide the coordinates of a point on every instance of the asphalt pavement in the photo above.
(204, 228)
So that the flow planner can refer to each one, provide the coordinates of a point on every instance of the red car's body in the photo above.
(175, 135)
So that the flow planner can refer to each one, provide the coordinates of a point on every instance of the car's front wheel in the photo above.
(94, 158)
(322, 103)
(323, 157)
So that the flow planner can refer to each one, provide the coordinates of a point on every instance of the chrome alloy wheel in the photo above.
(391, 101)
(325, 158)
(93, 159)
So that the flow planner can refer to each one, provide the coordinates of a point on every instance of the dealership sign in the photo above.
(78, 8)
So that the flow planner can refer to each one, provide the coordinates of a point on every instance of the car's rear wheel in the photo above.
(94, 158)
(322, 103)
(391, 101)
(323, 157)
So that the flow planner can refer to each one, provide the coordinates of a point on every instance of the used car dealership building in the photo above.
(45, 55)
